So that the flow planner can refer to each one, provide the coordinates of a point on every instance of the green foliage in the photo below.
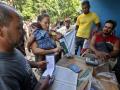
(27, 10)
(55, 8)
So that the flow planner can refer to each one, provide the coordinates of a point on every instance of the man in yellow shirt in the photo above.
(84, 24)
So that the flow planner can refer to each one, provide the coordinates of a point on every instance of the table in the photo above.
(85, 69)
(86, 72)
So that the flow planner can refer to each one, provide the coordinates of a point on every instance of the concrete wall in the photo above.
(107, 9)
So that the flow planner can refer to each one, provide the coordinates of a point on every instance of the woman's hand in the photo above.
(57, 50)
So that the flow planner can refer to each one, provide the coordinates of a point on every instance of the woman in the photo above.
(43, 21)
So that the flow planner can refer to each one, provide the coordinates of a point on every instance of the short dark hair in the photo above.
(5, 15)
(86, 2)
(40, 17)
(112, 22)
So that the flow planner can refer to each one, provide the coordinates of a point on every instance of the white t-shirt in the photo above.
(63, 30)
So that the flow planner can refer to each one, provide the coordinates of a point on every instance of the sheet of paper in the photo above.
(62, 86)
(50, 59)
(65, 79)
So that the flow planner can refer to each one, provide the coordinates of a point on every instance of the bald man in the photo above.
(15, 71)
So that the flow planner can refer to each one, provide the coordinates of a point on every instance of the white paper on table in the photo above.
(50, 59)
(65, 79)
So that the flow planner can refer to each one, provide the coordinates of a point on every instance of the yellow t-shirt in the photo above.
(85, 21)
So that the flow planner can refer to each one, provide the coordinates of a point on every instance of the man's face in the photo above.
(13, 32)
(85, 9)
(67, 22)
(107, 29)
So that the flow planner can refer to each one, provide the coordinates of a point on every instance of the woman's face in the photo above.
(45, 23)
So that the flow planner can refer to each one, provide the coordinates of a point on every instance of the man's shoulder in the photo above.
(93, 13)
(10, 55)
(81, 15)
(112, 36)
(11, 63)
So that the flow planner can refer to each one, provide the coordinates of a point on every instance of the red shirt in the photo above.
(110, 39)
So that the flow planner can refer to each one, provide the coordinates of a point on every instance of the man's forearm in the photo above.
(114, 53)
(33, 64)
(93, 48)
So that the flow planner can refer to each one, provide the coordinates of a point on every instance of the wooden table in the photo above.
(86, 70)
(80, 61)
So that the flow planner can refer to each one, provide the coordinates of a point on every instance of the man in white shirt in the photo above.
(63, 30)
